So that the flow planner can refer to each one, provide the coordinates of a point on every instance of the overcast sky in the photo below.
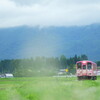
(49, 12)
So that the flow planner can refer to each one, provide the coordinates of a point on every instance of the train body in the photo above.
(86, 70)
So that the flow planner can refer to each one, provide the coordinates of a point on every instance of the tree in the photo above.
(63, 61)
(84, 57)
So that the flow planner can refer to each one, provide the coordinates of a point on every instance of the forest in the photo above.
(39, 66)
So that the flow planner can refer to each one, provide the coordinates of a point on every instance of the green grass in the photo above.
(49, 88)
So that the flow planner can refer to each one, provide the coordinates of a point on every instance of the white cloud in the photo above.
(47, 13)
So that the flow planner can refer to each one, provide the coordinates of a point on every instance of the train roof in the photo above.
(85, 61)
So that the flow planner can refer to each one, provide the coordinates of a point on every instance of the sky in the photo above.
(49, 12)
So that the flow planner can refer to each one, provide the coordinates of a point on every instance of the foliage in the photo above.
(98, 63)
(39, 66)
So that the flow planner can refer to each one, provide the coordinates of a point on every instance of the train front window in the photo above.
(79, 66)
(89, 66)
(84, 66)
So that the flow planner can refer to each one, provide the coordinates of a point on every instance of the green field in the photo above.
(49, 88)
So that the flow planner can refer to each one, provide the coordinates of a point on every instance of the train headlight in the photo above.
(84, 62)
(95, 72)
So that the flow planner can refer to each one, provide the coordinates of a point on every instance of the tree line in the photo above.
(39, 66)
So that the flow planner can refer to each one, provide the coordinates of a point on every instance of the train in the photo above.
(86, 70)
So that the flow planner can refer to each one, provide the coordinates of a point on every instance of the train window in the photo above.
(89, 65)
(79, 65)
(84, 66)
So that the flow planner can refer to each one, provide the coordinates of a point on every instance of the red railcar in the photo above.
(86, 70)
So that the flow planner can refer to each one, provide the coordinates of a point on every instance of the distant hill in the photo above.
(25, 41)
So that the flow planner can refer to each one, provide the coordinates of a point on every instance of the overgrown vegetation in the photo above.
(49, 88)
(39, 66)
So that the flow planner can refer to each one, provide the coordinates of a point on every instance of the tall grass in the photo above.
(49, 88)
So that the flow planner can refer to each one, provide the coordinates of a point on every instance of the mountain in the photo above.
(25, 41)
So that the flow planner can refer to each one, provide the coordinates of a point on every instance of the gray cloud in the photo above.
(25, 2)
(49, 12)
(30, 2)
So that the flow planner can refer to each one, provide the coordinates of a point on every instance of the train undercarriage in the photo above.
(87, 77)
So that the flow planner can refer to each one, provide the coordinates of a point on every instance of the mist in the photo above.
(43, 44)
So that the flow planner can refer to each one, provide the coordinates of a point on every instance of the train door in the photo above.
(89, 69)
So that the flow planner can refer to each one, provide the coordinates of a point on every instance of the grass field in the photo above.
(49, 88)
